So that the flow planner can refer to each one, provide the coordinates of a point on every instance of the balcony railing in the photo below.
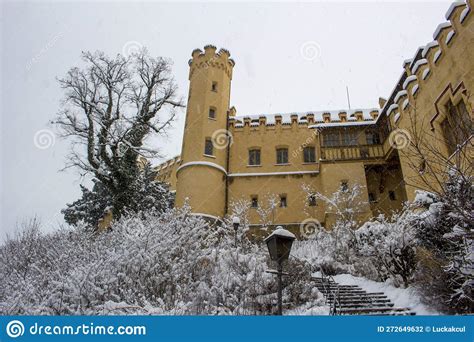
(352, 152)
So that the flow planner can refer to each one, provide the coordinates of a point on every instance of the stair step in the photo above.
(334, 284)
(357, 296)
(352, 288)
(344, 290)
(356, 301)
(365, 305)
(366, 310)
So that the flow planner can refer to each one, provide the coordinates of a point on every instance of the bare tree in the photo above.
(110, 107)
(435, 153)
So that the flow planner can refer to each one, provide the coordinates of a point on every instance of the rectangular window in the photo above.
(349, 138)
(331, 139)
(212, 113)
(208, 147)
(214, 86)
(254, 157)
(283, 203)
(309, 154)
(391, 195)
(312, 200)
(373, 138)
(254, 202)
(282, 156)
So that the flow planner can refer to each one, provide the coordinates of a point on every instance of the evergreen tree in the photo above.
(143, 194)
(90, 208)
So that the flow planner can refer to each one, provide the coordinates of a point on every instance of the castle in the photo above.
(227, 158)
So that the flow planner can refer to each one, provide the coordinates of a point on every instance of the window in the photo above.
(457, 127)
(312, 200)
(372, 198)
(349, 138)
(254, 201)
(212, 113)
(309, 154)
(282, 156)
(283, 203)
(331, 139)
(344, 185)
(391, 195)
(254, 157)
(373, 138)
(208, 147)
(214, 86)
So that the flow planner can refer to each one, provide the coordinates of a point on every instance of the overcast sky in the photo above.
(359, 45)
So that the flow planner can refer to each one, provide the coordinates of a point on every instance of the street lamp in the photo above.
(279, 245)
(236, 223)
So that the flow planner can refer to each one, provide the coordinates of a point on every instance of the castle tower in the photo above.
(202, 173)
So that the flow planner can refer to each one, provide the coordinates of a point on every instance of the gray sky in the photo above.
(361, 45)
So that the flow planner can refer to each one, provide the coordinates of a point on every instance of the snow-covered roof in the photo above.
(302, 116)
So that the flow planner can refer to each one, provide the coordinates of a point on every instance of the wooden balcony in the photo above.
(360, 152)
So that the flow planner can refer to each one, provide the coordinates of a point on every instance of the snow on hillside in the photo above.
(170, 264)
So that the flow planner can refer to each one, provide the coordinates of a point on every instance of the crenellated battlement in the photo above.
(419, 69)
(209, 58)
(334, 118)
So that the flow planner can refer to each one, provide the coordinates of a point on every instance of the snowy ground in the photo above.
(406, 298)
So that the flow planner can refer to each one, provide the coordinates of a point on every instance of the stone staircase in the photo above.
(353, 300)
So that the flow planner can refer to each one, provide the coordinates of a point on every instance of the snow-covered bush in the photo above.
(389, 245)
(335, 245)
(445, 273)
(170, 263)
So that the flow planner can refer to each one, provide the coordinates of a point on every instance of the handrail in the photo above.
(336, 304)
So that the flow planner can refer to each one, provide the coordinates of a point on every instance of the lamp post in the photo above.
(279, 245)
(236, 224)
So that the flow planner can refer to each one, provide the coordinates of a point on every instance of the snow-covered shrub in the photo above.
(445, 231)
(170, 263)
(327, 249)
(335, 245)
(389, 246)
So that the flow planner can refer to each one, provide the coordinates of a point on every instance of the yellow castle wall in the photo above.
(451, 77)
(202, 179)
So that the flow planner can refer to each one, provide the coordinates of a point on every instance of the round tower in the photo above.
(201, 177)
